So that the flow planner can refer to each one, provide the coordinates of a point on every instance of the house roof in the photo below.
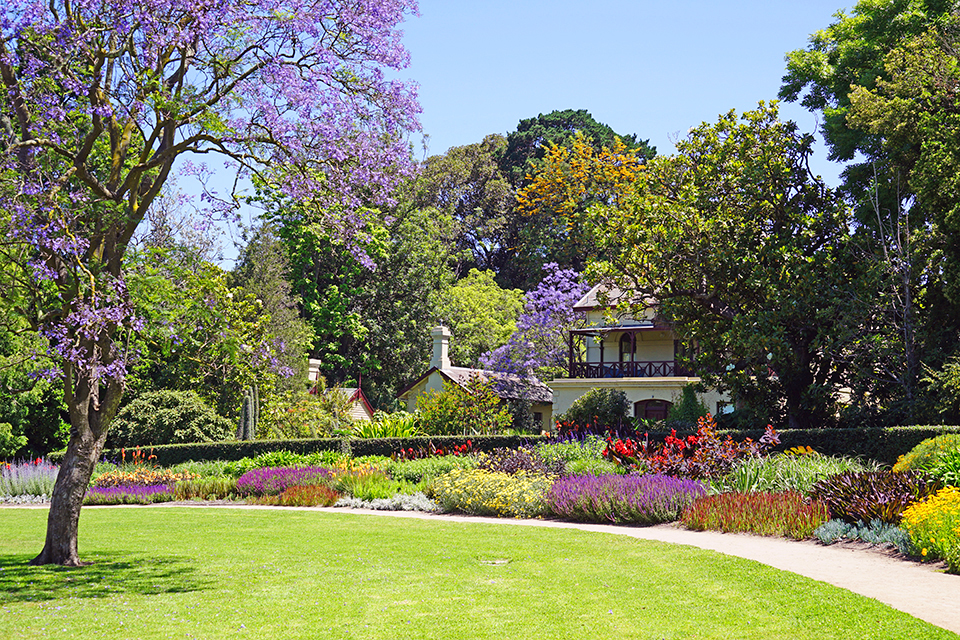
(506, 385)
(352, 394)
(590, 300)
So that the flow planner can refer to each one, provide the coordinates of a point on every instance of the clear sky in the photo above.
(651, 68)
(655, 69)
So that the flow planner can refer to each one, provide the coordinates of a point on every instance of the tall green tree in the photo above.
(369, 322)
(481, 315)
(748, 254)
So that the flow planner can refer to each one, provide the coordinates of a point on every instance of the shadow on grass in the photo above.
(108, 575)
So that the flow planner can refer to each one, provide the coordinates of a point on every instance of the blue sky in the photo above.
(651, 68)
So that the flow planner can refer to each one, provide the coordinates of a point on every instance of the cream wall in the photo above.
(566, 390)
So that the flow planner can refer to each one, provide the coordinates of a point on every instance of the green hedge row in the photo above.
(171, 454)
(881, 444)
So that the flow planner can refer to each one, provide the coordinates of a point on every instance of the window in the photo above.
(651, 409)
(626, 348)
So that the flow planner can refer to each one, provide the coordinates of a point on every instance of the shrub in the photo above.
(205, 489)
(10, 443)
(400, 502)
(274, 480)
(784, 473)
(513, 461)
(634, 499)
(468, 410)
(428, 469)
(140, 477)
(368, 484)
(167, 417)
(934, 527)
(946, 467)
(596, 411)
(589, 448)
(131, 494)
(686, 413)
(490, 493)
(877, 532)
(282, 459)
(926, 453)
(869, 495)
(30, 478)
(388, 425)
(784, 513)
(298, 414)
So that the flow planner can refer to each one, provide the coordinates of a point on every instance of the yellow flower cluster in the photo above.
(141, 477)
(934, 526)
(491, 493)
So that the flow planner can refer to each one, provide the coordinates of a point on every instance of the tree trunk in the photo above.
(92, 407)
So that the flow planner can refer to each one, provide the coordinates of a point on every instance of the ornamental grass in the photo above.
(301, 496)
(934, 527)
(634, 499)
(130, 494)
(783, 513)
(491, 493)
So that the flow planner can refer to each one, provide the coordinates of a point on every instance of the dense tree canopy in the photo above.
(748, 254)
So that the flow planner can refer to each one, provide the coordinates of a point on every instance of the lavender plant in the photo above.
(28, 478)
(636, 499)
(106, 100)
(138, 494)
(273, 480)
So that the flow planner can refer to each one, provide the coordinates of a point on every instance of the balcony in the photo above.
(656, 369)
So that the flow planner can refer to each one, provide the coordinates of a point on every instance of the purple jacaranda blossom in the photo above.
(541, 336)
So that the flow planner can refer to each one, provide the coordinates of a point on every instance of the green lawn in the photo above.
(224, 573)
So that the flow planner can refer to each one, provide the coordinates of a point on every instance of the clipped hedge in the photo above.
(884, 445)
(168, 455)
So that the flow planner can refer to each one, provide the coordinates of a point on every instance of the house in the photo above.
(507, 386)
(635, 355)
(360, 407)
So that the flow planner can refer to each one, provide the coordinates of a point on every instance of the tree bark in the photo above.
(92, 406)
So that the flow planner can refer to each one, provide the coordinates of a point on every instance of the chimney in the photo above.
(441, 347)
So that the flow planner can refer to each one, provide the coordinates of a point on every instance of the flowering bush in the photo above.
(700, 456)
(636, 499)
(142, 477)
(29, 478)
(431, 451)
(491, 493)
(926, 453)
(934, 527)
(129, 494)
(274, 480)
(784, 513)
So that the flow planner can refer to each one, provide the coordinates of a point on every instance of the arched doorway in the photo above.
(651, 409)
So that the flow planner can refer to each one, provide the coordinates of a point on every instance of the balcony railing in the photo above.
(659, 369)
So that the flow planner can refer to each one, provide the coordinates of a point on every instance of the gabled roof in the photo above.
(590, 300)
(506, 385)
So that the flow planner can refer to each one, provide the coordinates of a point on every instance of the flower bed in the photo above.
(130, 494)
(274, 480)
(634, 499)
(783, 513)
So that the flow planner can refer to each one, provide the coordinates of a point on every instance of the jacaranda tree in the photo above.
(102, 100)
